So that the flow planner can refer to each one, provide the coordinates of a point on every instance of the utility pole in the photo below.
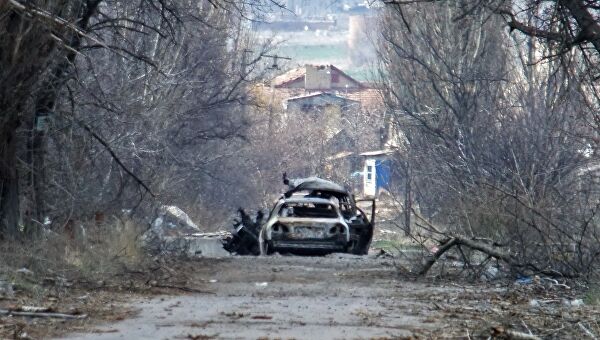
(275, 57)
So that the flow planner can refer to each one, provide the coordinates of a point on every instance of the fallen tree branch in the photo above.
(43, 315)
(444, 248)
(456, 240)
(489, 250)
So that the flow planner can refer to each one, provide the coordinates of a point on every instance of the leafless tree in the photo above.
(563, 23)
(499, 146)
(96, 93)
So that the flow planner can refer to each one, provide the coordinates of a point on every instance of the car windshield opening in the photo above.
(307, 209)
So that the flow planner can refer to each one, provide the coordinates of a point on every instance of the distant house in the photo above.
(319, 101)
(309, 79)
(317, 78)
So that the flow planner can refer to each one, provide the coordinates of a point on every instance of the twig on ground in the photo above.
(526, 327)
(43, 315)
(183, 288)
(521, 336)
(587, 331)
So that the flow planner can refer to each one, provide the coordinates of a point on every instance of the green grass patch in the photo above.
(592, 296)
(394, 246)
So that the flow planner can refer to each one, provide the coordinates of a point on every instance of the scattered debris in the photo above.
(201, 337)
(503, 333)
(523, 280)
(33, 309)
(261, 284)
(183, 288)
(345, 256)
(57, 281)
(262, 317)
(382, 253)
(216, 235)
(573, 303)
(24, 271)
(235, 315)
(555, 282)
(489, 273)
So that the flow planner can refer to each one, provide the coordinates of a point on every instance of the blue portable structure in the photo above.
(376, 172)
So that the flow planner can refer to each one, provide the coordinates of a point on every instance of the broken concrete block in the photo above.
(206, 247)
(172, 221)
(168, 231)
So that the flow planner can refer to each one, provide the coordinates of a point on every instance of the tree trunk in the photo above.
(36, 173)
(9, 181)
(407, 199)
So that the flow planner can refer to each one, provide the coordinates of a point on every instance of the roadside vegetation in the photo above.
(496, 105)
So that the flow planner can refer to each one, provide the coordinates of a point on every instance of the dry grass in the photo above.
(89, 251)
(104, 250)
(92, 270)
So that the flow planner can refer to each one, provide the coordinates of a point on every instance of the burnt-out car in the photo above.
(305, 225)
(317, 216)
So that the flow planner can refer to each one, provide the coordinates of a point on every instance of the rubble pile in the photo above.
(173, 232)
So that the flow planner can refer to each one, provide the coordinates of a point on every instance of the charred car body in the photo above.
(316, 216)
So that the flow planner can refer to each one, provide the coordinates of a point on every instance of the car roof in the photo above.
(317, 184)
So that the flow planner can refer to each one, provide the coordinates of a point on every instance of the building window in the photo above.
(369, 172)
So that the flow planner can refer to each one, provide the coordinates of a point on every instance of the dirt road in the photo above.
(283, 297)
(334, 297)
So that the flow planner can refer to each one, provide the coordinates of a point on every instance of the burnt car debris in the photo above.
(314, 216)
(244, 236)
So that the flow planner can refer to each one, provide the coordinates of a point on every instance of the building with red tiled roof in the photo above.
(317, 78)
(309, 79)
